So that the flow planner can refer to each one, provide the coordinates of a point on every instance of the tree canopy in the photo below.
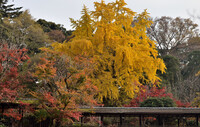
(171, 32)
(23, 32)
(125, 57)
(9, 10)
(55, 29)
(111, 59)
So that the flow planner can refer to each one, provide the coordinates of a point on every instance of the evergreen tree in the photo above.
(48, 26)
(8, 10)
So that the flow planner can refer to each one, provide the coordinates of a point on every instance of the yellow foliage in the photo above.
(83, 27)
(196, 101)
(198, 73)
(124, 55)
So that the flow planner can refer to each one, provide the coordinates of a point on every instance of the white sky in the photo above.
(59, 11)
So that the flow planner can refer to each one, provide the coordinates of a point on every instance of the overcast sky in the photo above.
(59, 11)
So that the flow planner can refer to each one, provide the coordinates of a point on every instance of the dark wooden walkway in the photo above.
(141, 112)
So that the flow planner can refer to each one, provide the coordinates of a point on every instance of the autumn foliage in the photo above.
(125, 56)
(63, 86)
(11, 86)
(10, 60)
(153, 92)
(108, 59)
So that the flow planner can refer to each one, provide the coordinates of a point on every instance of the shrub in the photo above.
(158, 102)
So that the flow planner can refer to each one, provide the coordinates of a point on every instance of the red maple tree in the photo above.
(147, 92)
(11, 59)
(63, 86)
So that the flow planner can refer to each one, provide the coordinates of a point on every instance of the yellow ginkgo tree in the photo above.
(125, 57)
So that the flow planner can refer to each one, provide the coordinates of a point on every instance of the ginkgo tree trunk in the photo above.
(125, 57)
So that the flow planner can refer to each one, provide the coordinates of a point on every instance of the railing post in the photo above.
(183, 121)
(178, 121)
(102, 120)
(140, 120)
(120, 124)
(197, 120)
(22, 117)
(163, 121)
(159, 120)
(82, 121)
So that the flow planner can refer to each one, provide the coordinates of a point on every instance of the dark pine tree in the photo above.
(51, 26)
(8, 10)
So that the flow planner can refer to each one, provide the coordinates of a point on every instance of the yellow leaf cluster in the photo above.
(198, 73)
(124, 55)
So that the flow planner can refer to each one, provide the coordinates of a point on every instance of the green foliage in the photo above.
(2, 125)
(168, 102)
(172, 63)
(29, 101)
(173, 73)
(152, 102)
(50, 26)
(173, 69)
(192, 65)
(23, 32)
(158, 102)
(41, 114)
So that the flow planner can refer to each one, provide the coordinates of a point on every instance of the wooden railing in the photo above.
(142, 112)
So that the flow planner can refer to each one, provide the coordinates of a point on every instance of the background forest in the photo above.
(113, 57)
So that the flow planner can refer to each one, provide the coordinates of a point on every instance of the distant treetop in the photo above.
(9, 10)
